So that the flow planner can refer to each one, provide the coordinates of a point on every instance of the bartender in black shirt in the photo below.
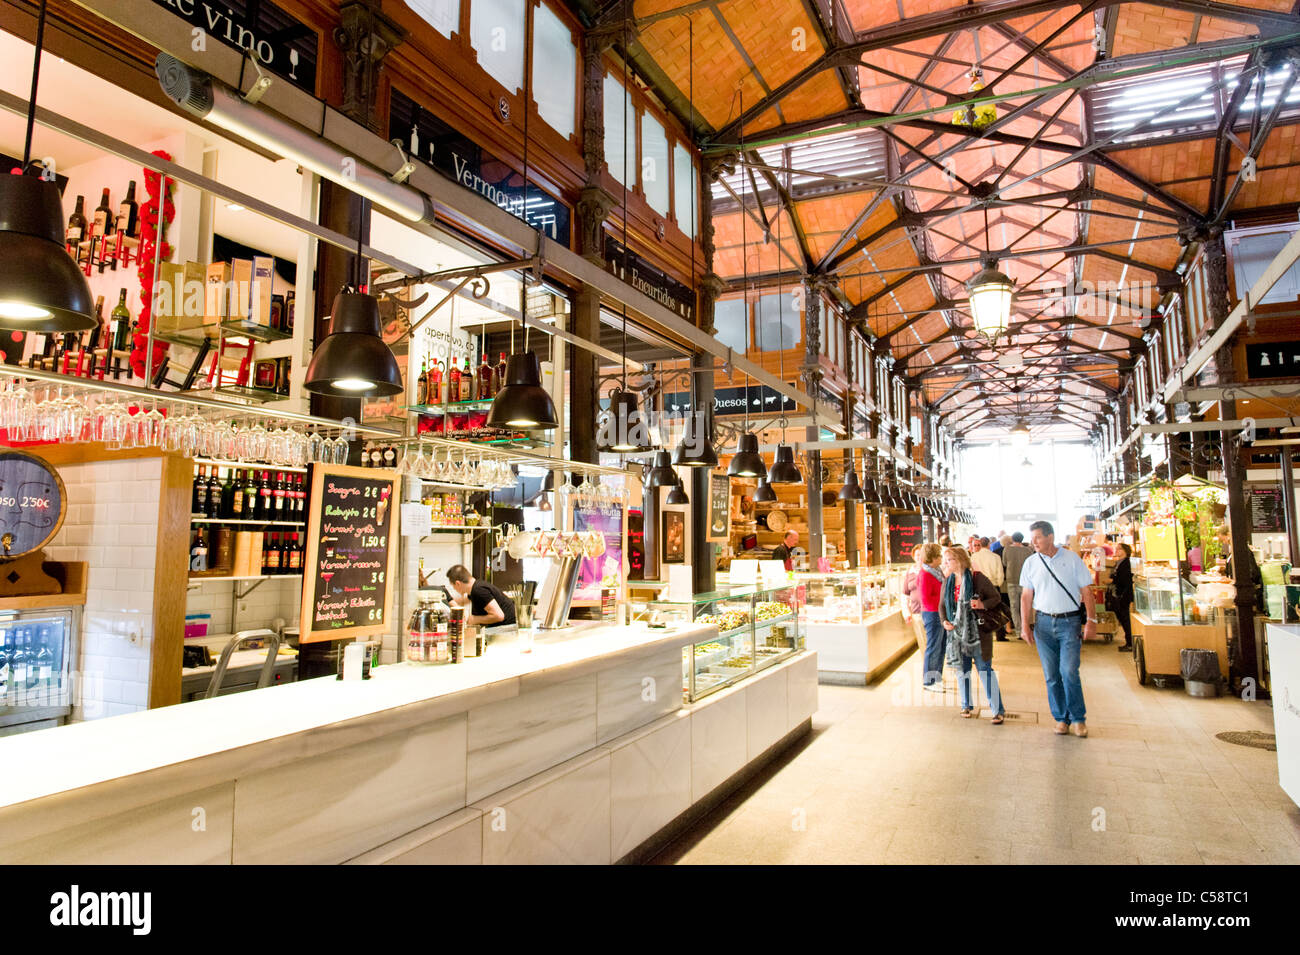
(488, 606)
(782, 550)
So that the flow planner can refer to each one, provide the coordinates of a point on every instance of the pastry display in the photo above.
(726, 620)
(770, 610)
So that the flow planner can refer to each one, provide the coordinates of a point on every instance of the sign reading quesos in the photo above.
(351, 553)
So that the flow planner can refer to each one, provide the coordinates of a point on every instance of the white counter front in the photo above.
(326, 770)
(858, 653)
(1284, 676)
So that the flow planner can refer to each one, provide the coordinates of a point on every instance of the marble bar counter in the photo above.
(471, 756)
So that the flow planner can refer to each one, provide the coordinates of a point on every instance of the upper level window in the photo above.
(684, 187)
(731, 319)
(654, 163)
(442, 15)
(496, 31)
(620, 133)
(777, 321)
(555, 71)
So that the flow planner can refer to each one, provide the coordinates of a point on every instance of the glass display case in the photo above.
(851, 597)
(757, 627)
(1164, 598)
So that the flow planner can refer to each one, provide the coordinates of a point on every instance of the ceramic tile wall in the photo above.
(271, 600)
(112, 525)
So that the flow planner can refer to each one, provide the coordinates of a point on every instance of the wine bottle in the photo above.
(422, 385)
(128, 212)
(237, 497)
(301, 494)
(264, 491)
(199, 499)
(77, 227)
(267, 540)
(228, 494)
(500, 381)
(295, 556)
(214, 494)
(199, 552)
(453, 377)
(121, 317)
(436, 394)
(467, 382)
(278, 497)
(484, 379)
(251, 512)
(103, 217)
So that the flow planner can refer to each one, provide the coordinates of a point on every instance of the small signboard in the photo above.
(32, 503)
(719, 508)
(348, 576)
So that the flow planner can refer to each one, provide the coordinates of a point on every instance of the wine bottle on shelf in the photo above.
(214, 494)
(453, 381)
(278, 497)
(199, 498)
(422, 385)
(295, 555)
(76, 228)
(434, 395)
(128, 212)
(264, 492)
(266, 554)
(121, 317)
(484, 379)
(250, 495)
(199, 551)
(499, 381)
(467, 382)
(237, 497)
(103, 217)
(228, 494)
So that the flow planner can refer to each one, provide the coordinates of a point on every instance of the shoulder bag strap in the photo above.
(1077, 606)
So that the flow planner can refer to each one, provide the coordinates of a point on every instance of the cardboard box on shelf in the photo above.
(241, 289)
(263, 287)
(216, 294)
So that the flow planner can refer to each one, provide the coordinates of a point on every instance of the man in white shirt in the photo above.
(987, 563)
(1056, 596)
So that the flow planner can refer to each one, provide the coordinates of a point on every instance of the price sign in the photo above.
(352, 533)
(32, 503)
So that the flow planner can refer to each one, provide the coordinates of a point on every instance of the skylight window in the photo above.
(855, 154)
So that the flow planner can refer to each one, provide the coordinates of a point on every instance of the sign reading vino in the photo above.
(32, 503)
(904, 535)
(352, 534)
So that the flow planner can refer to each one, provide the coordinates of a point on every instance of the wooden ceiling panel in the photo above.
(818, 97)
(776, 34)
(1142, 28)
(668, 42)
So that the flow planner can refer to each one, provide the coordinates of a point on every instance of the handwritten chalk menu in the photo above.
(32, 503)
(904, 535)
(351, 559)
(1266, 509)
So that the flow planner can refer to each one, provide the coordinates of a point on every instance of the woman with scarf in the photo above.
(966, 597)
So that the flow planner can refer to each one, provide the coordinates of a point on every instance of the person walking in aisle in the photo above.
(1057, 612)
(1119, 595)
(929, 591)
(1014, 556)
(987, 563)
(965, 601)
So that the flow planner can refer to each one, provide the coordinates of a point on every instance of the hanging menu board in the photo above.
(1266, 509)
(32, 503)
(351, 559)
(904, 535)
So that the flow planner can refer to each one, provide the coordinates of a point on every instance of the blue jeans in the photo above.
(934, 637)
(990, 683)
(1059, 641)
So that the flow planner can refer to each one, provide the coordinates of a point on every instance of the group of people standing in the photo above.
(968, 597)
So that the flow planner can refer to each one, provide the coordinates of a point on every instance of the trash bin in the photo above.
(1200, 672)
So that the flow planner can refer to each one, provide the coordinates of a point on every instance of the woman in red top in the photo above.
(929, 586)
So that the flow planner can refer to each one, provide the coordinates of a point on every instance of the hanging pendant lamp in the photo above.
(41, 288)
(622, 429)
(764, 494)
(784, 470)
(852, 490)
(695, 449)
(661, 473)
(523, 403)
(677, 495)
(353, 361)
(870, 491)
(747, 462)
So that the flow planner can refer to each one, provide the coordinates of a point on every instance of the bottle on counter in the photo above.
(437, 629)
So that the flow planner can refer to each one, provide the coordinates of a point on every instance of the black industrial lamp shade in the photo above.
(852, 490)
(784, 470)
(747, 462)
(523, 404)
(677, 495)
(41, 288)
(661, 472)
(353, 361)
(870, 493)
(623, 429)
(695, 449)
(764, 494)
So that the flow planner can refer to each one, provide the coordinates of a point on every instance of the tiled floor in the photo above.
(893, 775)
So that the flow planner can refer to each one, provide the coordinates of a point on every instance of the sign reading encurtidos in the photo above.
(282, 44)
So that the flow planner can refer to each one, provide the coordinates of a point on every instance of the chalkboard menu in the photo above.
(719, 508)
(32, 503)
(1266, 510)
(904, 535)
(351, 555)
